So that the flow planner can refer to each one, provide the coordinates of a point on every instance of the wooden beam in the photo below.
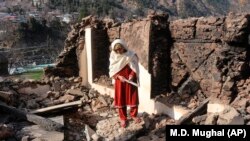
(43, 122)
(58, 107)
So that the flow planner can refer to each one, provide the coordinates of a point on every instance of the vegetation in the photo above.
(36, 75)
(40, 31)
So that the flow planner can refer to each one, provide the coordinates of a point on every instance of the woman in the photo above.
(124, 65)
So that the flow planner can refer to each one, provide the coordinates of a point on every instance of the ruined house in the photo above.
(207, 57)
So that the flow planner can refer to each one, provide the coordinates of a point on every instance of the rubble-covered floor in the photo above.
(95, 118)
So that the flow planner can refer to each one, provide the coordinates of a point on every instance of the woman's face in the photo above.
(119, 49)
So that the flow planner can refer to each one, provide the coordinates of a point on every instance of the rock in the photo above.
(37, 89)
(63, 87)
(211, 119)
(1, 79)
(5, 132)
(110, 129)
(31, 104)
(92, 93)
(103, 101)
(78, 79)
(89, 132)
(15, 87)
(39, 134)
(104, 114)
(67, 98)
(57, 86)
(71, 79)
(199, 119)
(98, 103)
(17, 80)
(147, 123)
(95, 137)
(230, 116)
(247, 118)
(76, 92)
(57, 78)
(87, 108)
(235, 30)
(240, 102)
(51, 79)
(25, 138)
(248, 109)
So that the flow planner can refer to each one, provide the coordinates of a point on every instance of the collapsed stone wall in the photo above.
(212, 55)
(208, 55)
(67, 64)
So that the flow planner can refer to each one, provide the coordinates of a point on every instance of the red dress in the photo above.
(125, 93)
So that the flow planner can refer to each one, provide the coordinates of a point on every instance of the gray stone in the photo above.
(211, 119)
(40, 134)
(31, 104)
(95, 137)
(102, 100)
(199, 119)
(248, 109)
(110, 129)
(78, 79)
(57, 78)
(104, 114)
(1, 79)
(67, 98)
(76, 92)
(89, 132)
(230, 116)
(25, 138)
(57, 86)
(71, 78)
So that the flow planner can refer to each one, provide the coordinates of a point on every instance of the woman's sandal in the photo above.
(123, 123)
(137, 120)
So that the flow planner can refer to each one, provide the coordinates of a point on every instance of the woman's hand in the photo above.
(121, 78)
(130, 77)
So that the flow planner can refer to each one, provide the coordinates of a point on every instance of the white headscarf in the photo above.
(119, 61)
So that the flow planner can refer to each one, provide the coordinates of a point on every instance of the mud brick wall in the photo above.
(213, 52)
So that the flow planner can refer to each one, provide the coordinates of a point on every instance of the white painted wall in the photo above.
(83, 67)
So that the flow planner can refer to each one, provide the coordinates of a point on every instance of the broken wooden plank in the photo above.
(43, 122)
(195, 112)
(58, 107)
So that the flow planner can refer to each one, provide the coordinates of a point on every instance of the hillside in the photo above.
(126, 9)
